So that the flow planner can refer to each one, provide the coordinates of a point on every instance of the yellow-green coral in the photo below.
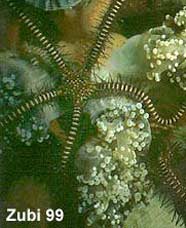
(166, 50)
(112, 180)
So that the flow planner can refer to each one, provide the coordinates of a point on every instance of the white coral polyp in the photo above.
(111, 180)
(180, 18)
(166, 51)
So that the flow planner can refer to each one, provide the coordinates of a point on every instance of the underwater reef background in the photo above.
(92, 111)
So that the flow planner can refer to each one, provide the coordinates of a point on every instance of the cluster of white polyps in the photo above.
(10, 92)
(180, 18)
(166, 50)
(19, 81)
(111, 179)
(32, 130)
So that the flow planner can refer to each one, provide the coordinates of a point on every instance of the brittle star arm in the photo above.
(103, 33)
(139, 95)
(71, 137)
(170, 177)
(114, 89)
(29, 105)
(52, 52)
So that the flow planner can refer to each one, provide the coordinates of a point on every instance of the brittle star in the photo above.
(78, 85)
(172, 180)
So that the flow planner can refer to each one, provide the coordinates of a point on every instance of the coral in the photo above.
(158, 53)
(127, 60)
(10, 89)
(121, 113)
(17, 83)
(110, 191)
(109, 163)
(28, 131)
(111, 179)
(37, 131)
(165, 50)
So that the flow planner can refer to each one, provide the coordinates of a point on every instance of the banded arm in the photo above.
(170, 177)
(71, 138)
(30, 104)
(139, 95)
(102, 36)
(174, 183)
(52, 52)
